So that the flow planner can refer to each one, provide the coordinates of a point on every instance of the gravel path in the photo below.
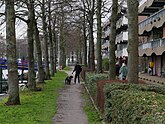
(70, 105)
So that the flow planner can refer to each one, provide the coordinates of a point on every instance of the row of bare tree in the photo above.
(50, 19)
(71, 21)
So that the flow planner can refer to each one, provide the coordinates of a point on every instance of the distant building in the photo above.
(121, 38)
(122, 34)
(2, 47)
(22, 48)
(105, 39)
(152, 35)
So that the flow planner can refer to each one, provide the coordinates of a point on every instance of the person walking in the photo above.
(117, 67)
(151, 66)
(123, 71)
(77, 70)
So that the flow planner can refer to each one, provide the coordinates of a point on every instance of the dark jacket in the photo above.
(117, 69)
(77, 69)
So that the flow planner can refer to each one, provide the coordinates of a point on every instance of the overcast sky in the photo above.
(21, 26)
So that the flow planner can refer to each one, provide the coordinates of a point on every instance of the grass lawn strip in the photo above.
(36, 107)
(92, 114)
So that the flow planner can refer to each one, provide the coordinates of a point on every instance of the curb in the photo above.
(154, 81)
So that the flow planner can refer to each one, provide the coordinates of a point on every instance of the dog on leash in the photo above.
(68, 79)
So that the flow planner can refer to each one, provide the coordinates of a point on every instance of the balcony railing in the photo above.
(153, 44)
(142, 2)
(105, 44)
(107, 32)
(122, 52)
(123, 36)
(153, 18)
(121, 46)
(122, 21)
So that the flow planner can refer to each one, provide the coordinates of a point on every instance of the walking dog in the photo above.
(68, 79)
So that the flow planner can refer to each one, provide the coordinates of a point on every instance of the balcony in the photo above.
(122, 52)
(141, 2)
(148, 7)
(107, 32)
(105, 45)
(156, 46)
(105, 54)
(123, 36)
(123, 21)
(156, 20)
(153, 44)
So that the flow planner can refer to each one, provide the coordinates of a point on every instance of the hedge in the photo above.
(105, 63)
(100, 92)
(91, 82)
(134, 104)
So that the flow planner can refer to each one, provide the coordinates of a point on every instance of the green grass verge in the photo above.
(36, 107)
(92, 114)
(67, 68)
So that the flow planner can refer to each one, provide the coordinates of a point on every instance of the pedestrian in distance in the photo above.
(151, 67)
(123, 71)
(117, 67)
(77, 70)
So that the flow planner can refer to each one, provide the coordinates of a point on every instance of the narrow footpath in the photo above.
(70, 105)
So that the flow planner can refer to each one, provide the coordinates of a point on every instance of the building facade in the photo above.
(152, 35)
(121, 37)
(2, 47)
(122, 34)
(105, 39)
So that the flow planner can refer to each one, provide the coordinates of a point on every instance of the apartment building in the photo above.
(152, 35)
(122, 34)
(105, 39)
(121, 38)
(2, 47)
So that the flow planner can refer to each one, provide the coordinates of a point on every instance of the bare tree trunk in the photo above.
(132, 41)
(46, 55)
(99, 32)
(85, 41)
(41, 74)
(112, 49)
(62, 44)
(89, 8)
(30, 31)
(77, 55)
(13, 90)
(89, 47)
(50, 41)
(91, 42)
(54, 44)
(81, 50)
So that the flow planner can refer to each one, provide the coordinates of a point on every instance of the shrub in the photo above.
(134, 104)
(100, 92)
(91, 82)
(105, 64)
(84, 71)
